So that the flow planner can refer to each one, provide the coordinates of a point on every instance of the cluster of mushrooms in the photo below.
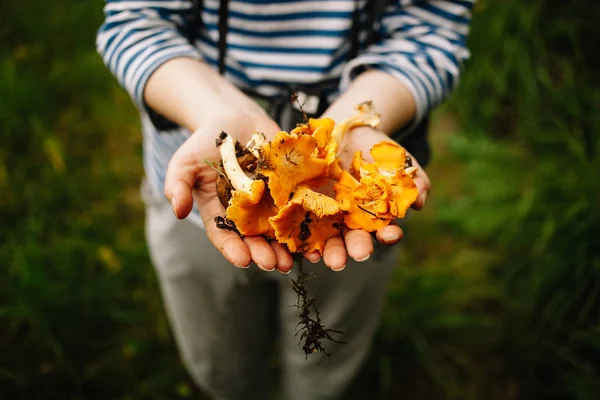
(271, 188)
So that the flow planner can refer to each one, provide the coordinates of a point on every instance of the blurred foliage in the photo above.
(79, 314)
(498, 292)
(535, 188)
(524, 206)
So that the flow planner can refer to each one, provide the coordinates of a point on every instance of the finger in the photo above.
(312, 256)
(179, 182)
(334, 254)
(359, 244)
(228, 243)
(284, 258)
(262, 253)
(390, 234)
(423, 185)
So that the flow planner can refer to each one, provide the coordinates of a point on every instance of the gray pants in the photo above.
(222, 316)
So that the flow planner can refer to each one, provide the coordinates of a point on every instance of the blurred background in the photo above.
(497, 295)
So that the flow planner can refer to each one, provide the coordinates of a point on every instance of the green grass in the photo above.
(79, 315)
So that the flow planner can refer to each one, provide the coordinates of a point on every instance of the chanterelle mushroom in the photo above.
(253, 219)
(307, 221)
(250, 206)
(378, 192)
(255, 143)
(247, 161)
(366, 116)
(289, 160)
(250, 190)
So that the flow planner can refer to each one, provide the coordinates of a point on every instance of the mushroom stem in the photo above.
(255, 143)
(411, 171)
(366, 116)
(239, 180)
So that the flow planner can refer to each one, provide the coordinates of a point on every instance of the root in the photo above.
(310, 329)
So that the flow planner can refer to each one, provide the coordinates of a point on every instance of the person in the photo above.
(194, 70)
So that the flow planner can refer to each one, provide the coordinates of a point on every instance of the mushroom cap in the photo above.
(374, 194)
(307, 221)
(404, 194)
(360, 211)
(290, 159)
(389, 161)
(315, 202)
(389, 157)
(321, 129)
(252, 219)
(257, 189)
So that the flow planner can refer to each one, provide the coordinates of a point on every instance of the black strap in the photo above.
(197, 20)
(355, 31)
(374, 10)
(223, 29)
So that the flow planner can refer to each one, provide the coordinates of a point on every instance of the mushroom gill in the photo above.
(289, 160)
(307, 221)
(374, 194)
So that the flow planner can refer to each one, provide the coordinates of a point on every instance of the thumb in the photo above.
(179, 184)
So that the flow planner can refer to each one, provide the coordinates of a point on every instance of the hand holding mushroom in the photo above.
(271, 188)
(192, 177)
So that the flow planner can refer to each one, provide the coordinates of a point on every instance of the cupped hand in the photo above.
(191, 175)
(357, 243)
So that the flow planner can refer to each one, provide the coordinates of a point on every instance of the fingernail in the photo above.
(242, 266)
(174, 205)
(315, 261)
(423, 197)
(363, 259)
(285, 272)
(387, 236)
(264, 269)
(340, 269)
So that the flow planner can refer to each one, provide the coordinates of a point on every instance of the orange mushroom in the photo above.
(366, 116)
(328, 136)
(253, 219)
(362, 211)
(372, 195)
(248, 190)
(321, 129)
(307, 221)
(250, 206)
(289, 160)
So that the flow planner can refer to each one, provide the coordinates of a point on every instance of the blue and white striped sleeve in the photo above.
(423, 44)
(139, 36)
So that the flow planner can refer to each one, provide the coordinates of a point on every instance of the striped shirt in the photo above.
(274, 43)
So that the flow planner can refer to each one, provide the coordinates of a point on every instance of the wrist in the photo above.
(391, 98)
(189, 93)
